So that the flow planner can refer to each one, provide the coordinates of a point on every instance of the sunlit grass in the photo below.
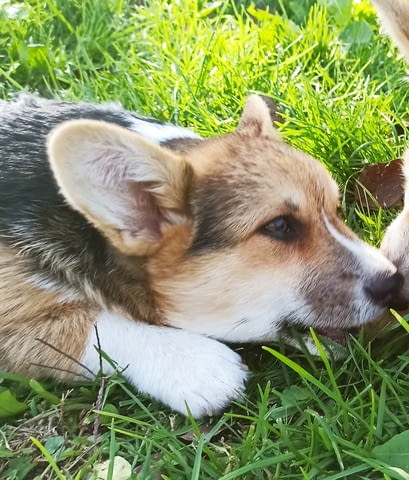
(342, 97)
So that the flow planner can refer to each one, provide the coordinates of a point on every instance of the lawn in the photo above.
(342, 96)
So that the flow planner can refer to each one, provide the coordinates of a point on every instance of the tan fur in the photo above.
(231, 160)
(30, 313)
(252, 123)
(186, 244)
(185, 285)
(394, 15)
(20, 298)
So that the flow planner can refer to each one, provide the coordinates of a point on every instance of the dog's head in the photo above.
(241, 235)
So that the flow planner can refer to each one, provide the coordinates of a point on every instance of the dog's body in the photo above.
(235, 237)
(394, 15)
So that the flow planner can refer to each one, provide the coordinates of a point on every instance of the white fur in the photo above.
(395, 244)
(395, 241)
(159, 132)
(394, 14)
(371, 260)
(236, 308)
(174, 366)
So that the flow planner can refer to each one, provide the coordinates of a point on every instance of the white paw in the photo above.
(174, 366)
(204, 376)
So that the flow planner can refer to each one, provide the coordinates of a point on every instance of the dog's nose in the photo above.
(383, 289)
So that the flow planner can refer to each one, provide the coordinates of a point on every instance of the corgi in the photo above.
(394, 17)
(155, 245)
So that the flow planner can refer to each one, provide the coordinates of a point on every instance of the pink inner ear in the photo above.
(145, 216)
(110, 166)
(130, 201)
(129, 204)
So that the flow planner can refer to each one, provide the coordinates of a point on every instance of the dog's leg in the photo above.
(46, 330)
(49, 343)
(175, 366)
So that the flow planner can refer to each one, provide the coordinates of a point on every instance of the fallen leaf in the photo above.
(54, 446)
(395, 451)
(380, 185)
(122, 469)
(357, 33)
(9, 405)
(190, 436)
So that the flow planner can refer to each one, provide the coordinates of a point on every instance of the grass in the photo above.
(342, 96)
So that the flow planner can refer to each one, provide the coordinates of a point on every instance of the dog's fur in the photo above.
(162, 240)
(394, 15)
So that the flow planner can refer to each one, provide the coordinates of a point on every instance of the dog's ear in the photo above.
(127, 187)
(258, 116)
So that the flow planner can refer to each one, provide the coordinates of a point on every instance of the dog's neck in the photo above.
(125, 286)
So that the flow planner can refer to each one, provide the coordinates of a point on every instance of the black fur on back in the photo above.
(58, 242)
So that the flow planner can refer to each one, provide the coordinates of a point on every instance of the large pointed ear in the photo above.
(127, 187)
(257, 117)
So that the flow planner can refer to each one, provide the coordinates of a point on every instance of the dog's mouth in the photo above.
(339, 335)
(336, 334)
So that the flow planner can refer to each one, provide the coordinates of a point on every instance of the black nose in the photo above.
(383, 289)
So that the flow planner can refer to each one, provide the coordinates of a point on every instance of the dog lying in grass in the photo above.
(167, 243)
(394, 15)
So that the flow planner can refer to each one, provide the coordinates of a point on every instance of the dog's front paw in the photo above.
(188, 372)
(184, 370)
(207, 377)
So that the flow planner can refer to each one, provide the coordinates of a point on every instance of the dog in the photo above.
(394, 16)
(146, 241)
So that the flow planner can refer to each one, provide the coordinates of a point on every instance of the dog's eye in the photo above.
(285, 228)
